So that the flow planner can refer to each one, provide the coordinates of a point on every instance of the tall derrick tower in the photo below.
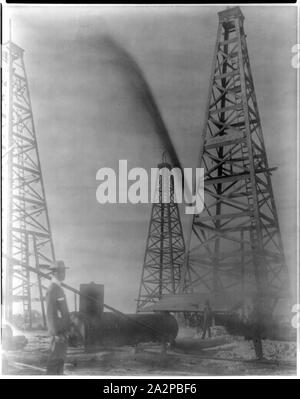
(165, 246)
(235, 246)
(27, 239)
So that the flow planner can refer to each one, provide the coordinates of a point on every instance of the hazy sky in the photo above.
(87, 117)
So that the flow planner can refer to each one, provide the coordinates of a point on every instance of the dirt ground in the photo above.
(219, 355)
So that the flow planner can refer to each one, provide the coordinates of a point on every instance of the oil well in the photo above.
(233, 250)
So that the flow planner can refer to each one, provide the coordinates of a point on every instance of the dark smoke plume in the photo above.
(134, 74)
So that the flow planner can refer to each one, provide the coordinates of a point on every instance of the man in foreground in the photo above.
(58, 320)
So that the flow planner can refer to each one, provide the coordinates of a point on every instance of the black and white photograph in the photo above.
(150, 191)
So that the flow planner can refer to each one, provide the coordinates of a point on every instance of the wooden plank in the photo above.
(245, 228)
(225, 179)
(37, 233)
(226, 75)
(236, 107)
(230, 138)
(25, 138)
(22, 107)
(19, 76)
(29, 170)
(226, 216)
(233, 54)
(30, 200)
(224, 42)
(244, 194)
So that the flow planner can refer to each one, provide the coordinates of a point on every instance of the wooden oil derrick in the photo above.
(165, 248)
(235, 247)
(27, 239)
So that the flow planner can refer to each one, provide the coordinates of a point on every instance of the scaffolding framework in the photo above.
(234, 246)
(165, 248)
(27, 239)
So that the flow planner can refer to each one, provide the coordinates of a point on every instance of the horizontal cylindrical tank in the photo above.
(129, 329)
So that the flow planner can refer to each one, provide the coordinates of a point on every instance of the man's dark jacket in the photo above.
(58, 319)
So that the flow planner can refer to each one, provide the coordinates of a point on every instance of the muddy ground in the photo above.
(220, 355)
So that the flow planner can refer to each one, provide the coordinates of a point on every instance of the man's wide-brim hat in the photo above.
(58, 265)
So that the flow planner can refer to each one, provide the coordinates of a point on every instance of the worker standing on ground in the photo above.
(256, 328)
(58, 320)
(207, 319)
